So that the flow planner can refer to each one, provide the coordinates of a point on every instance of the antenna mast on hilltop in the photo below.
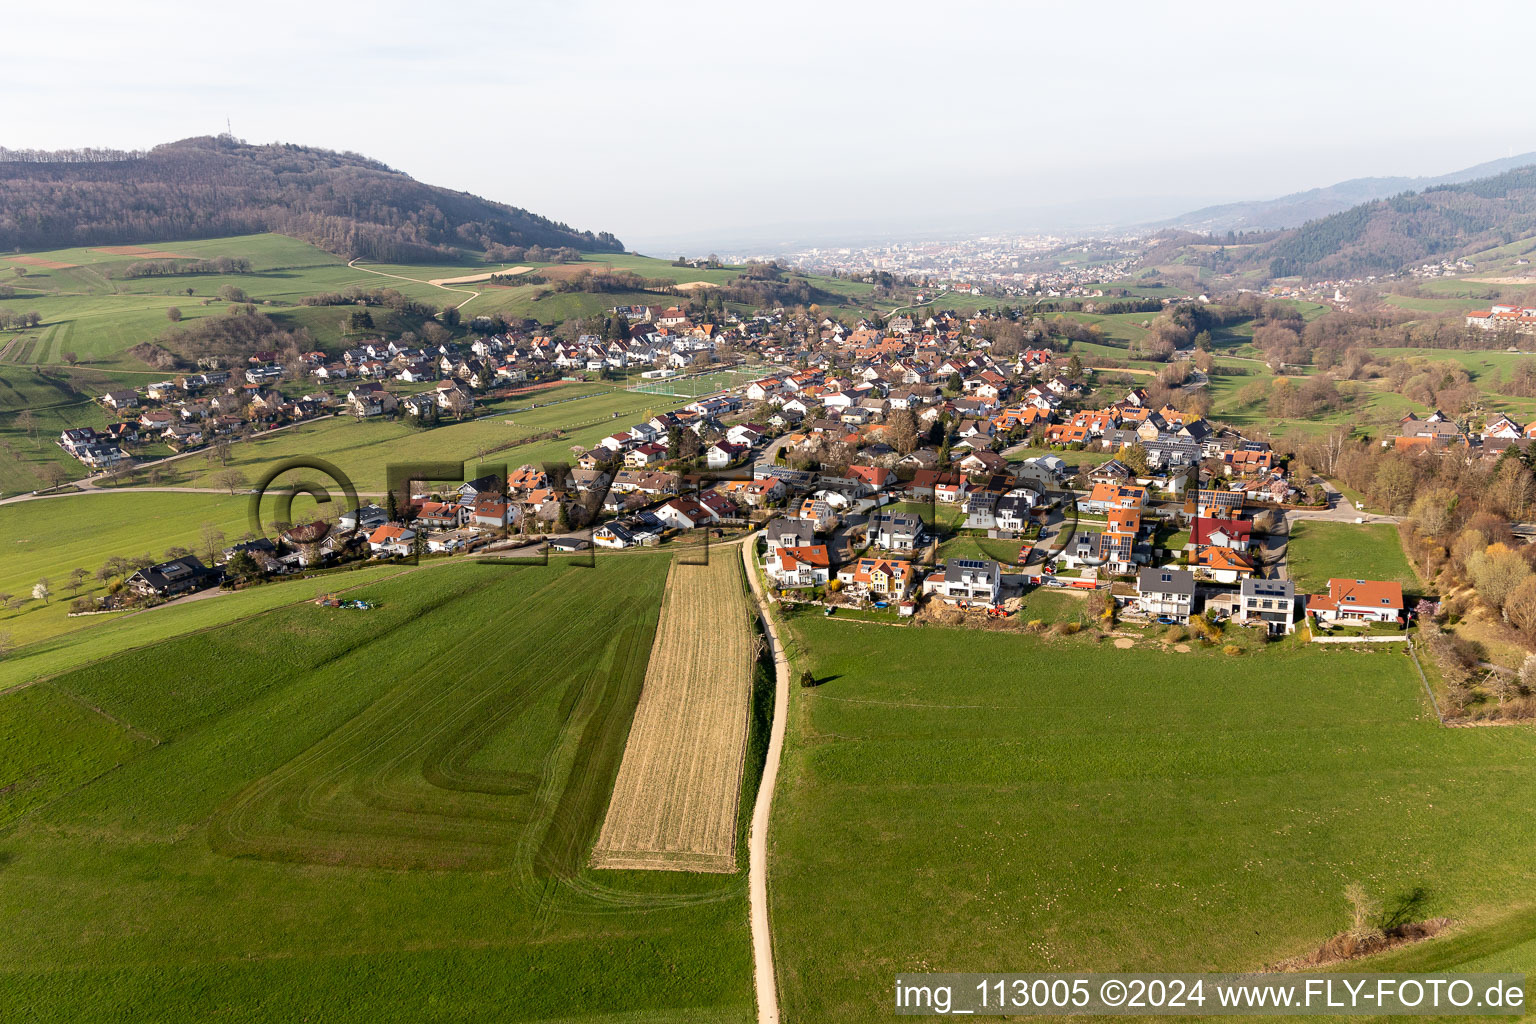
(227, 129)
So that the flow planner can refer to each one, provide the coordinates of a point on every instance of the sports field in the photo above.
(1318, 551)
(339, 815)
(957, 800)
(674, 804)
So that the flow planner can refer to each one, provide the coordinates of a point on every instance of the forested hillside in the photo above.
(1390, 233)
(1377, 237)
(208, 187)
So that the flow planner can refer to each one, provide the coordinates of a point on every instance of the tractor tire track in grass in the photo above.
(367, 781)
(419, 779)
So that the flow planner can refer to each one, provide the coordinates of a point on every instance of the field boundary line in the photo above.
(764, 978)
(126, 726)
(1425, 680)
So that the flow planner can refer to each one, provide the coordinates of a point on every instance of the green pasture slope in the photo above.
(364, 450)
(92, 638)
(957, 800)
(1318, 551)
(51, 537)
(337, 815)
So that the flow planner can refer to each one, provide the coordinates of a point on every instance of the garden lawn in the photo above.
(1319, 551)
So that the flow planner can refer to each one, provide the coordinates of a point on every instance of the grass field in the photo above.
(675, 800)
(335, 815)
(1318, 551)
(980, 546)
(101, 636)
(954, 798)
(51, 537)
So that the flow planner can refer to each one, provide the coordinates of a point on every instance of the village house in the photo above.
(798, 567)
(171, 579)
(1357, 601)
(685, 513)
(896, 531)
(822, 514)
(1223, 564)
(1235, 534)
(1165, 594)
(723, 454)
(879, 577)
(1107, 496)
(1271, 603)
(754, 493)
(1013, 508)
(364, 517)
(370, 399)
(391, 540)
(967, 581)
(492, 513)
(629, 531)
(441, 515)
(788, 533)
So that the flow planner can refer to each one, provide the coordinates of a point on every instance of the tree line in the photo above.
(178, 268)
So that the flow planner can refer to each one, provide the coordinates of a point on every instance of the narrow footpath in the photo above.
(763, 975)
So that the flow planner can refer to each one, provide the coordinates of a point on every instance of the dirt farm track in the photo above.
(675, 800)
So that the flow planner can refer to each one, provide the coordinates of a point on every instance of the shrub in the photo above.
(1175, 634)
(807, 679)
(1232, 650)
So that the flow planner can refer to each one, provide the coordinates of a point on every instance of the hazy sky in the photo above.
(713, 122)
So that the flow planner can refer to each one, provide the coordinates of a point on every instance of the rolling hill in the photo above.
(209, 187)
(1296, 209)
(1378, 237)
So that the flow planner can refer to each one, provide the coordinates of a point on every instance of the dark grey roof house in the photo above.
(179, 576)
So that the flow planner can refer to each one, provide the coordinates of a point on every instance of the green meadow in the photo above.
(1061, 805)
(336, 815)
(51, 537)
(92, 638)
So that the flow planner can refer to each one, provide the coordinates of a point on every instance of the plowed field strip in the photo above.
(675, 801)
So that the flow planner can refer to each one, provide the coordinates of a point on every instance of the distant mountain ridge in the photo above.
(209, 187)
(1294, 210)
